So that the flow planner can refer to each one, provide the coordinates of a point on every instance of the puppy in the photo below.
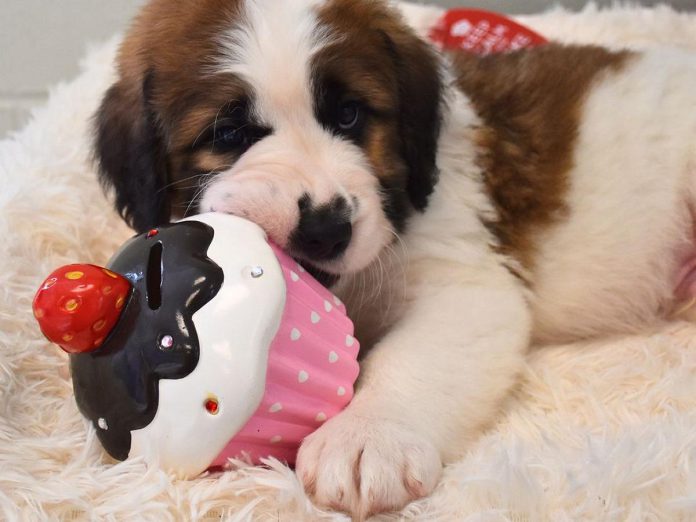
(465, 206)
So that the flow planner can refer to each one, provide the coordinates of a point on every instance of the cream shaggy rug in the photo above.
(601, 431)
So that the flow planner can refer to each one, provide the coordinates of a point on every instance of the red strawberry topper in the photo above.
(78, 305)
(481, 32)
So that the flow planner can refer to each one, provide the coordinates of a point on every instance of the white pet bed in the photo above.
(602, 431)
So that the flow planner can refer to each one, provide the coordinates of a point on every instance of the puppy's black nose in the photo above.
(325, 239)
(324, 232)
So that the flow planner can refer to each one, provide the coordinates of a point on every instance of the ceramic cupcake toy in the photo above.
(198, 342)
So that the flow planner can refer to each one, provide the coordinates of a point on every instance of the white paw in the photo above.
(365, 466)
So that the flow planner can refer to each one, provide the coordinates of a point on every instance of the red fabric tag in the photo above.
(482, 32)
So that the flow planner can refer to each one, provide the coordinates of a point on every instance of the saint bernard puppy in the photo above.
(465, 207)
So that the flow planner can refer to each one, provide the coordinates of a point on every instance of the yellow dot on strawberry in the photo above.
(98, 342)
(106, 290)
(39, 313)
(99, 325)
(67, 337)
(74, 275)
(71, 305)
(109, 273)
(120, 301)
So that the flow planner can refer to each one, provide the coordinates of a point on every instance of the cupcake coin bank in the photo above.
(198, 342)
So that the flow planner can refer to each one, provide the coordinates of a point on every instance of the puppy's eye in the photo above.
(349, 114)
(229, 137)
(237, 138)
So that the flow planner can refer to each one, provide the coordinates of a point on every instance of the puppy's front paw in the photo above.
(365, 466)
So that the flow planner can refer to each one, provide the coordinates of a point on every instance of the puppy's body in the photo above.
(481, 202)
(604, 258)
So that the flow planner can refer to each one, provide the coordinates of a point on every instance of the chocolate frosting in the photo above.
(116, 386)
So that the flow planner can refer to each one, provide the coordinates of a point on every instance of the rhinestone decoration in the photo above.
(166, 342)
(212, 406)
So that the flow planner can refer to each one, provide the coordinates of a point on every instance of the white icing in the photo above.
(235, 330)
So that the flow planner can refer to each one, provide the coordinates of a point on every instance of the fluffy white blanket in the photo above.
(598, 431)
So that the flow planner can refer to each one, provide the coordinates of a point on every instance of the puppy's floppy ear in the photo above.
(420, 93)
(131, 154)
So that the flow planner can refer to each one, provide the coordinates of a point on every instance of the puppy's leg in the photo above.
(425, 389)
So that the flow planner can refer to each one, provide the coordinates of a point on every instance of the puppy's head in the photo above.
(317, 120)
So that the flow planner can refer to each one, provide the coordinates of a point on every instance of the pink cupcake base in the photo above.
(312, 367)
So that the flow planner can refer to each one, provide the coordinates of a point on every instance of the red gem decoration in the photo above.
(212, 406)
(74, 311)
(153, 232)
(482, 32)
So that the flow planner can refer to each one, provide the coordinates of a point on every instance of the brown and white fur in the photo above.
(542, 195)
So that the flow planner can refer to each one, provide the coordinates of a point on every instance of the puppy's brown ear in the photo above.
(131, 157)
(420, 93)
